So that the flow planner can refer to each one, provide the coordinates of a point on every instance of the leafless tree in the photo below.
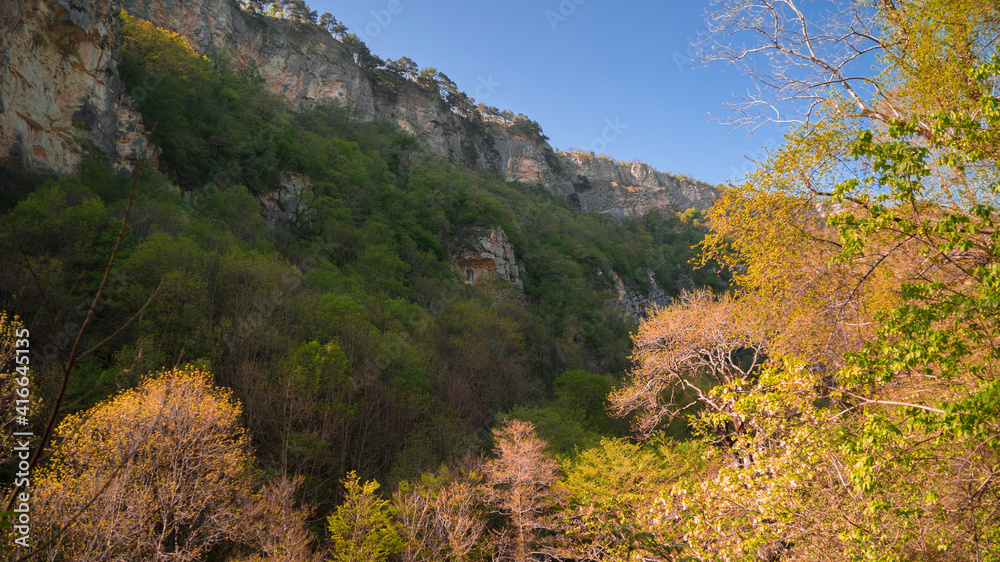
(682, 354)
(57, 312)
(440, 522)
(799, 56)
(519, 483)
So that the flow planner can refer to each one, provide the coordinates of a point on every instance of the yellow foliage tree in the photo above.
(160, 472)
(865, 255)
(362, 529)
(169, 50)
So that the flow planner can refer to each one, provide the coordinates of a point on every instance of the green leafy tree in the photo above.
(620, 497)
(406, 67)
(362, 529)
(363, 56)
(428, 78)
(577, 418)
(873, 433)
(338, 29)
(314, 403)
(298, 10)
(940, 344)
(255, 6)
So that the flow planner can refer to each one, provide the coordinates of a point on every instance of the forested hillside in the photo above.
(262, 347)
(306, 262)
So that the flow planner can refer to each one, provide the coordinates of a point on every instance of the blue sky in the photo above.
(615, 77)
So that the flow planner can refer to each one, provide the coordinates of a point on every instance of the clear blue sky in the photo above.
(582, 68)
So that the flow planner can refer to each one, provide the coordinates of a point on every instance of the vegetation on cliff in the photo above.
(839, 401)
(302, 260)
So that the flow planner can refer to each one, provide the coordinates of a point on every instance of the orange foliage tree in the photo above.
(682, 354)
(519, 483)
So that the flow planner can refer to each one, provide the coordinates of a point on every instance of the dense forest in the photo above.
(224, 382)
(339, 327)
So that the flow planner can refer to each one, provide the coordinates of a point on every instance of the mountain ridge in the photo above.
(306, 65)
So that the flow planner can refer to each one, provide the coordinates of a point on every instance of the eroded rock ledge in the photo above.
(485, 254)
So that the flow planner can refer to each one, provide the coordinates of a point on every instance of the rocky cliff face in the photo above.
(61, 97)
(638, 304)
(634, 189)
(306, 65)
(60, 92)
(485, 254)
(303, 63)
(288, 204)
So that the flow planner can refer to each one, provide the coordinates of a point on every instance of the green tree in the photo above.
(298, 10)
(428, 78)
(362, 529)
(620, 496)
(338, 29)
(873, 440)
(406, 67)
(313, 400)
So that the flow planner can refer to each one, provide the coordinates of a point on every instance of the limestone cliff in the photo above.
(289, 203)
(485, 254)
(306, 65)
(303, 63)
(61, 97)
(636, 303)
(606, 186)
(60, 92)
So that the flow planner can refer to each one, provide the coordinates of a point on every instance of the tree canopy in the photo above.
(864, 260)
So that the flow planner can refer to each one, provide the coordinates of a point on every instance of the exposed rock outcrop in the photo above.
(486, 254)
(303, 63)
(306, 65)
(289, 202)
(632, 190)
(636, 303)
(60, 91)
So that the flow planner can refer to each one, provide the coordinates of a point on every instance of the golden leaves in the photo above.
(162, 470)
